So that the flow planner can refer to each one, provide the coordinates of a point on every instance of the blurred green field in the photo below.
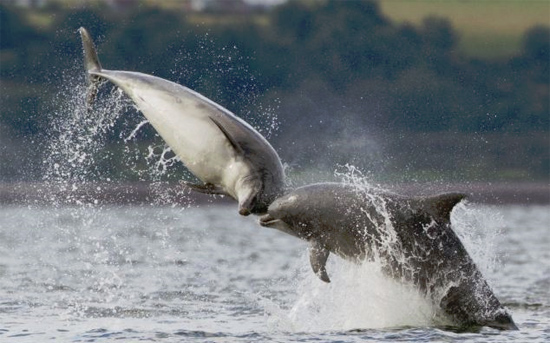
(487, 28)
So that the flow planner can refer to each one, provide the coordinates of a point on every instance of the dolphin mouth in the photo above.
(268, 220)
(244, 211)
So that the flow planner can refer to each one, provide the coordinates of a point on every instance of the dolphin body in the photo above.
(220, 149)
(412, 237)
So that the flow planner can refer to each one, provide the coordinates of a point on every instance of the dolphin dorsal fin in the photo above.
(440, 206)
(318, 255)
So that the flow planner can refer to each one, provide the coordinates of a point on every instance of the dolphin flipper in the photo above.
(206, 188)
(318, 255)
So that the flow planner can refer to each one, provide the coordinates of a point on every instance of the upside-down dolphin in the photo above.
(412, 237)
(223, 151)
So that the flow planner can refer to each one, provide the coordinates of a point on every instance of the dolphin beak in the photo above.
(268, 221)
(245, 205)
(243, 211)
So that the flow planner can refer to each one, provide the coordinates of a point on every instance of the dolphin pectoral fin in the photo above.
(231, 140)
(318, 255)
(206, 188)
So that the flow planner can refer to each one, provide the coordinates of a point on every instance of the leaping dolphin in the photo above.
(223, 151)
(412, 237)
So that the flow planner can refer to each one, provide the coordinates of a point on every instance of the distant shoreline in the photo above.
(485, 192)
(170, 193)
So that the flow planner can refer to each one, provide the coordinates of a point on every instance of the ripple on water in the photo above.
(60, 282)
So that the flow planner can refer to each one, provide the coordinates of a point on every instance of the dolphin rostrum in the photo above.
(412, 237)
(223, 151)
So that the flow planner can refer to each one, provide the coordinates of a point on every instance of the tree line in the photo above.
(319, 66)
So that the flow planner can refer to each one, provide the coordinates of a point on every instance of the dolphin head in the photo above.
(249, 195)
(255, 193)
(282, 208)
(288, 214)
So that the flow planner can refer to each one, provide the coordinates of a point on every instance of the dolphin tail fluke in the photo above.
(91, 63)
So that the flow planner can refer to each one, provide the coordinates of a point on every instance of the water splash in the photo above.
(88, 145)
(77, 138)
(363, 296)
(479, 230)
(78, 135)
(358, 297)
(385, 244)
(225, 77)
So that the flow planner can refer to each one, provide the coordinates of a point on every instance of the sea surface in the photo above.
(205, 274)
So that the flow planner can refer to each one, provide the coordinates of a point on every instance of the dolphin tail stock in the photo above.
(91, 63)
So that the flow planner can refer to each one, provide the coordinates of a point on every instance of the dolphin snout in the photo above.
(243, 211)
(268, 220)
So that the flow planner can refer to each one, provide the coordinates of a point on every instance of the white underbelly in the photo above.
(196, 140)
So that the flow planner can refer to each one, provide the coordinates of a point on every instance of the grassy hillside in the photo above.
(487, 28)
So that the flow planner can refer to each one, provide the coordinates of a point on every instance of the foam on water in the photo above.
(361, 296)
(358, 297)
(78, 153)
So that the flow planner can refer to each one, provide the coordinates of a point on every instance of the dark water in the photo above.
(165, 274)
